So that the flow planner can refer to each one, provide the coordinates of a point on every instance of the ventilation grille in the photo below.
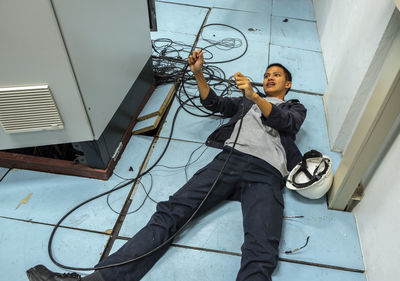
(28, 109)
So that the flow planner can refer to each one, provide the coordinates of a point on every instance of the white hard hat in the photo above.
(312, 177)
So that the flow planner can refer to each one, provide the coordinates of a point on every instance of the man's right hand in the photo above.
(196, 61)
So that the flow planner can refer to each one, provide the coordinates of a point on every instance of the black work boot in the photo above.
(42, 273)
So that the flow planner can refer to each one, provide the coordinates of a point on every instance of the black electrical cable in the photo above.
(144, 200)
(122, 178)
(186, 166)
(102, 194)
(298, 249)
(148, 194)
(190, 158)
(188, 163)
(139, 176)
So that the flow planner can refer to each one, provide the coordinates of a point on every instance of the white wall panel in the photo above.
(377, 219)
(109, 44)
(351, 33)
(32, 52)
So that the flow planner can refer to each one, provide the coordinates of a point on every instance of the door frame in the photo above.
(378, 118)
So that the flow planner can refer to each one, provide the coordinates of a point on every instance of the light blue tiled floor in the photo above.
(24, 244)
(262, 6)
(51, 195)
(295, 33)
(307, 67)
(197, 130)
(299, 9)
(243, 20)
(255, 26)
(179, 18)
(209, 249)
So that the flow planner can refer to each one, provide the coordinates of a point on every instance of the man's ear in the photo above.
(288, 84)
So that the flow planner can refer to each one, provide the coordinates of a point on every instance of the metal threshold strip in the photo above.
(281, 259)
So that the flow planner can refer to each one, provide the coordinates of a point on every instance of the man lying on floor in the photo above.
(264, 153)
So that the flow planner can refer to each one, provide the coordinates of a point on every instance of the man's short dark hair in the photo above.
(288, 75)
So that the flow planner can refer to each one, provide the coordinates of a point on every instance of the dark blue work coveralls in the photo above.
(248, 179)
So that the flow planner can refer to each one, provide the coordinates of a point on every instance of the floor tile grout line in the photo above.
(307, 20)
(323, 265)
(184, 4)
(320, 52)
(182, 140)
(61, 226)
(206, 7)
(315, 51)
(236, 10)
(281, 259)
(175, 32)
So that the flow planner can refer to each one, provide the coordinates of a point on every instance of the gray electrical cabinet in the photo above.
(66, 67)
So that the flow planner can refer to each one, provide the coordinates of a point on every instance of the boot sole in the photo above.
(32, 276)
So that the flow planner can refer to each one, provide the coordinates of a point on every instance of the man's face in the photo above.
(275, 81)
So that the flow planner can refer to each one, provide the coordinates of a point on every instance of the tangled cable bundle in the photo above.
(170, 61)
(170, 57)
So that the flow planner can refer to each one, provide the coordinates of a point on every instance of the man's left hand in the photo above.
(243, 83)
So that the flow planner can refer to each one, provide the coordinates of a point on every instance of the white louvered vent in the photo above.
(28, 109)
